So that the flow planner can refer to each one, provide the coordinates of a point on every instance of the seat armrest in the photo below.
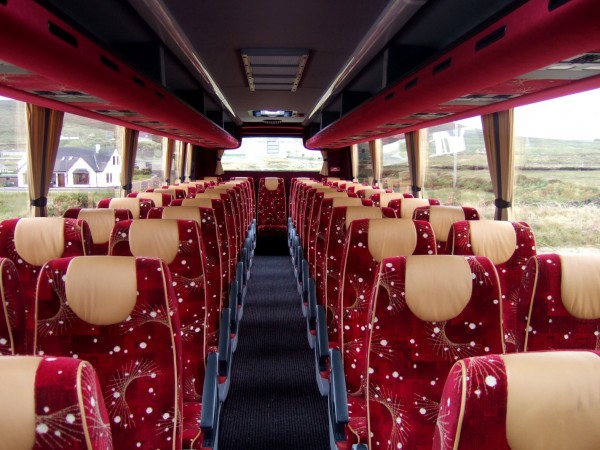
(338, 398)
(305, 280)
(239, 277)
(209, 419)
(233, 299)
(312, 305)
(322, 343)
(225, 343)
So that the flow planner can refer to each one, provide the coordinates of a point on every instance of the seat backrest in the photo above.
(368, 243)
(385, 198)
(509, 245)
(179, 245)
(441, 218)
(30, 242)
(539, 400)
(139, 207)
(558, 306)
(120, 313)
(271, 207)
(205, 218)
(49, 402)
(12, 311)
(405, 207)
(160, 199)
(101, 222)
(428, 312)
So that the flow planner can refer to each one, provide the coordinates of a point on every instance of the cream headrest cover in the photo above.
(441, 219)
(17, 404)
(207, 194)
(183, 213)
(580, 285)
(437, 287)
(158, 238)
(385, 197)
(211, 179)
(361, 212)
(346, 201)
(102, 290)
(369, 192)
(493, 238)
(185, 187)
(408, 206)
(391, 237)
(271, 183)
(334, 194)
(553, 400)
(101, 222)
(132, 204)
(171, 191)
(199, 202)
(40, 239)
(156, 197)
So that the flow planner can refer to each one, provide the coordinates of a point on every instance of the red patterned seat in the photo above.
(101, 222)
(120, 313)
(405, 207)
(385, 198)
(30, 242)
(558, 307)
(419, 327)
(188, 188)
(441, 219)
(139, 207)
(271, 208)
(51, 403)
(12, 314)
(174, 191)
(159, 199)
(179, 244)
(509, 245)
(538, 400)
(367, 243)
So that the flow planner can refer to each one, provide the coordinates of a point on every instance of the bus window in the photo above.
(557, 189)
(395, 174)
(457, 170)
(272, 153)
(13, 159)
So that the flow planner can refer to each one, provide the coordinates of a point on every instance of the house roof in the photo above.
(68, 156)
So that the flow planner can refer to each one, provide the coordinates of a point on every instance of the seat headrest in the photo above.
(198, 201)
(130, 203)
(170, 190)
(385, 197)
(408, 206)
(158, 238)
(437, 288)
(40, 239)
(271, 183)
(371, 191)
(156, 197)
(183, 213)
(441, 219)
(391, 237)
(493, 238)
(101, 222)
(334, 194)
(361, 212)
(580, 285)
(346, 201)
(553, 400)
(17, 401)
(102, 290)
(183, 186)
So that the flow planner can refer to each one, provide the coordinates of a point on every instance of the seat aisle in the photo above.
(273, 402)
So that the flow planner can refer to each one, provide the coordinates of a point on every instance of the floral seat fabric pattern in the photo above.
(443, 217)
(69, 407)
(510, 271)
(137, 358)
(139, 207)
(410, 355)
(271, 209)
(101, 222)
(543, 321)
(12, 312)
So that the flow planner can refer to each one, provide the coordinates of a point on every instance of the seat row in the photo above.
(104, 309)
(391, 323)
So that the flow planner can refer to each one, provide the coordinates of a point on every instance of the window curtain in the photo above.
(129, 149)
(354, 161)
(376, 148)
(416, 161)
(219, 169)
(325, 168)
(182, 150)
(499, 139)
(44, 126)
(188, 162)
(167, 159)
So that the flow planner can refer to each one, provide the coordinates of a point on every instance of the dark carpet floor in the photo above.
(273, 402)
